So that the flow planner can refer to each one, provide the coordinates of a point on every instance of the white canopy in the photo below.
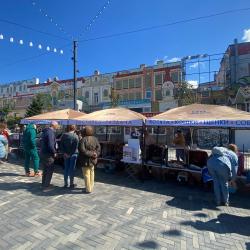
(111, 117)
(202, 115)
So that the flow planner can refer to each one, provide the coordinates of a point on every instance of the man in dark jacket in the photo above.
(69, 148)
(89, 150)
(48, 154)
(30, 150)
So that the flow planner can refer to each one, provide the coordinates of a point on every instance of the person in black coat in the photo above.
(48, 154)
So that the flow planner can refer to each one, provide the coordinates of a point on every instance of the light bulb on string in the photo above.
(1, 36)
(21, 42)
(55, 50)
(48, 48)
(39, 46)
(61, 51)
(30, 44)
(11, 39)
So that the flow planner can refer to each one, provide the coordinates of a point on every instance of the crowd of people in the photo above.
(83, 147)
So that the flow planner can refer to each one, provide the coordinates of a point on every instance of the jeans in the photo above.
(69, 169)
(180, 154)
(31, 155)
(89, 176)
(221, 175)
(48, 169)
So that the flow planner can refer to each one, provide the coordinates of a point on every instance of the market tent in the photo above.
(62, 116)
(111, 117)
(202, 115)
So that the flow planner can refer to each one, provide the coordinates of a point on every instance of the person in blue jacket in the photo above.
(222, 165)
(3, 144)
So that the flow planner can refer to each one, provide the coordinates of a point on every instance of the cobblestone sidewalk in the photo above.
(120, 214)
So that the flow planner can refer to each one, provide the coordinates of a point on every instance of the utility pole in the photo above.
(75, 71)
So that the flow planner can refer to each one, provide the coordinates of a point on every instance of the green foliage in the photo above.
(36, 107)
(185, 95)
(114, 97)
(12, 121)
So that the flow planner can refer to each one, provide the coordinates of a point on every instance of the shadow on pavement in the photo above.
(248, 246)
(9, 174)
(35, 188)
(148, 244)
(172, 233)
(223, 224)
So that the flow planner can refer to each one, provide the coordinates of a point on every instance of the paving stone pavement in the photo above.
(120, 214)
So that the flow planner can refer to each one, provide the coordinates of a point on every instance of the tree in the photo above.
(185, 94)
(114, 97)
(4, 111)
(36, 106)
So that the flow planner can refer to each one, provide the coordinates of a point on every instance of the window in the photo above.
(158, 78)
(86, 95)
(131, 96)
(148, 94)
(125, 83)
(175, 76)
(20, 88)
(101, 130)
(138, 82)
(118, 84)
(148, 81)
(1, 90)
(138, 95)
(125, 96)
(158, 95)
(131, 83)
(167, 93)
(7, 90)
(96, 98)
(159, 130)
(105, 93)
(14, 89)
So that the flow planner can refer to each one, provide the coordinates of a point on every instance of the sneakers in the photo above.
(73, 186)
(37, 174)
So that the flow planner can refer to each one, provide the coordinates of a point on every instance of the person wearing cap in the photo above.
(48, 153)
(69, 148)
(179, 142)
(89, 150)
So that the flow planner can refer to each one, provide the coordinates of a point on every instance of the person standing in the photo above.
(69, 148)
(48, 154)
(3, 145)
(89, 150)
(179, 142)
(221, 166)
(30, 150)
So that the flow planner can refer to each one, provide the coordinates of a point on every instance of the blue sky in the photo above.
(208, 36)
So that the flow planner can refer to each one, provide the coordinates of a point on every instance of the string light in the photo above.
(51, 20)
(93, 20)
(31, 44)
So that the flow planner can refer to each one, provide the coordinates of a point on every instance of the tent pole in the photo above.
(106, 133)
(157, 136)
